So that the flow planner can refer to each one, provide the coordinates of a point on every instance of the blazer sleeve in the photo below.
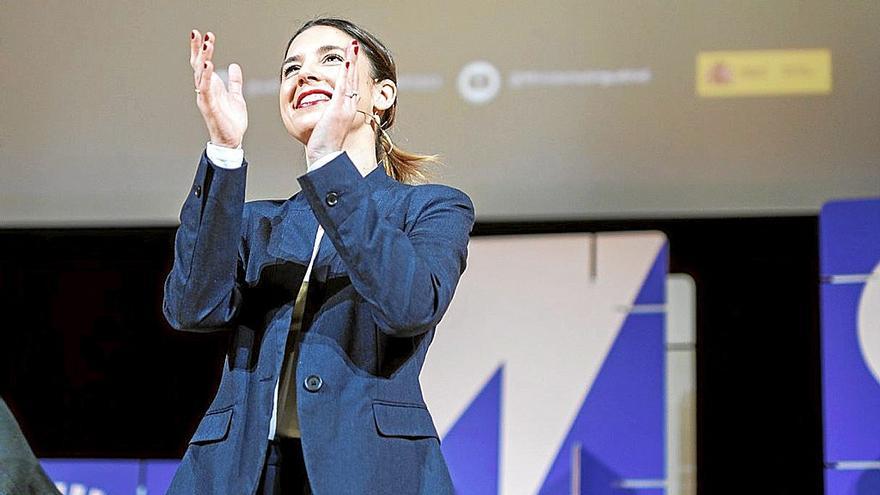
(407, 278)
(202, 291)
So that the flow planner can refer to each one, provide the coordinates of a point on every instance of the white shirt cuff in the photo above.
(223, 157)
(324, 160)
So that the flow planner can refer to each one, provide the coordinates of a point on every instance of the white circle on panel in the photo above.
(479, 82)
(869, 322)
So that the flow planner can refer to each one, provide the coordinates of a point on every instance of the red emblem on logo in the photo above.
(719, 74)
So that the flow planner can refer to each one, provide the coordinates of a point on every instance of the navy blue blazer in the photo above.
(376, 293)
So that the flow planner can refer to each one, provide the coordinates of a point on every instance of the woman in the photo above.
(331, 296)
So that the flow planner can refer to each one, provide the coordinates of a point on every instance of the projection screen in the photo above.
(539, 110)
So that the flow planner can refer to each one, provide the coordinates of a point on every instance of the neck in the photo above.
(361, 150)
(364, 158)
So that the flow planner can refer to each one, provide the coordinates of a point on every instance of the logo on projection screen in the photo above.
(479, 82)
(763, 73)
(869, 322)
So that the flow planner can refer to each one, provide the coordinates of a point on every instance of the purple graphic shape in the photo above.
(851, 401)
(159, 473)
(849, 237)
(471, 446)
(620, 427)
(111, 476)
(852, 482)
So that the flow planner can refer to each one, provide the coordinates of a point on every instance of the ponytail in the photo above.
(401, 165)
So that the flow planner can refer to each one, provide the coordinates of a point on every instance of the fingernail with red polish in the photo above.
(205, 46)
(355, 49)
(206, 65)
(192, 35)
(207, 37)
(355, 42)
(346, 64)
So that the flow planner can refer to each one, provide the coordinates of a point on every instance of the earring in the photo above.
(378, 121)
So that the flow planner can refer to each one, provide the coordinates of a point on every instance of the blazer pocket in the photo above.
(213, 428)
(403, 420)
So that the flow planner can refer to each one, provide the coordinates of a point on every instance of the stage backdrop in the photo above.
(850, 253)
(547, 373)
(569, 108)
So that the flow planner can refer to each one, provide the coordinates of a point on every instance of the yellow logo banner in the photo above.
(763, 73)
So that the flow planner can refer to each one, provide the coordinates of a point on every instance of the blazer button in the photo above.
(332, 198)
(313, 383)
(197, 190)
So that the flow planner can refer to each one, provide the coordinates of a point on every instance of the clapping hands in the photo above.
(223, 108)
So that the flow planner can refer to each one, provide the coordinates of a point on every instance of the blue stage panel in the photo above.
(94, 476)
(850, 266)
(851, 403)
(864, 482)
(158, 473)
(849, 237)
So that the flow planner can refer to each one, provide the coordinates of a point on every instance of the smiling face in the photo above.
(308, 79)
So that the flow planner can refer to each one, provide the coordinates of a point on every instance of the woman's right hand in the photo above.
(224, 110)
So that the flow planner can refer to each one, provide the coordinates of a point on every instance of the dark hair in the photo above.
(401, 165)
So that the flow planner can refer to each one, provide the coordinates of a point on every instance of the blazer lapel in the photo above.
(294, 227)
(293, 232)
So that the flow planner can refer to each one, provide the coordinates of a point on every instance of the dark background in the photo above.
(91, 369)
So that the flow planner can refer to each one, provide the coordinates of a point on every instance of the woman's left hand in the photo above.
(333, 126)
